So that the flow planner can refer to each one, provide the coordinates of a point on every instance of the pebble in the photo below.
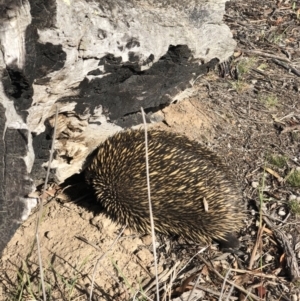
(131, 245)
(145, 255)
(268, 258)
(292, 197)
(281, 211)
(127, 232)
(159, 269)
(254, 184)
(147, 240)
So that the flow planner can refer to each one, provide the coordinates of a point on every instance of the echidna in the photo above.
(192, 193)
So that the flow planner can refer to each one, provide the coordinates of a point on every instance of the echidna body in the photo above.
(192, 193)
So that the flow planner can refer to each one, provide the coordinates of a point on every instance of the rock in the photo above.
(97, 63)
(145, 255)
(147, 240)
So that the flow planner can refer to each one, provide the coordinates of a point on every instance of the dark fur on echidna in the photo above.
(192, 193)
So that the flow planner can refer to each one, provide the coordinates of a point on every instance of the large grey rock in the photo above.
(98, 62)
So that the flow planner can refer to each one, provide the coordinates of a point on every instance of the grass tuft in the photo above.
(294, 178)
(269, 100)
(245, 65)
(294, 207)
(277, 160)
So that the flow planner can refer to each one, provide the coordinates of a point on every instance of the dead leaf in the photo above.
(274, 173)
(282, 259)
(205, 271)
(261, 291)
(184, 286)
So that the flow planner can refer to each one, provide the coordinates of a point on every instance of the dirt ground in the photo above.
(248, 112)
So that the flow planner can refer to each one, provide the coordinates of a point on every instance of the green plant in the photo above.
(129, 286)
(294, 178)
(294, 206)
(133, 291)
(277, 38)
(263, 66)
(269, 100)
(277, 160)
(28, 285)
(296, 10)
(70, 282)
(245, 65)
(25, 288)
(239, 86)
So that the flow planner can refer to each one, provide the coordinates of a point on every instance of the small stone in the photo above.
(159, 269)
(145, 255)
(292, 197)
(254, 184)
(268, 258)
(294, 297)
(128, 232)
(147, 240)
(281, 211)
(253, 233)
(131, 245)
(104, 223)
(157, 117)
(298, 255)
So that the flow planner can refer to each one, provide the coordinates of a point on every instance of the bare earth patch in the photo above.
(251, 118)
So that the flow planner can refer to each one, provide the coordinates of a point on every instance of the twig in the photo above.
(194, 287)
(40, 214)
(287, 67)
(228, 281)
(254, 273)
(291, 128)
(150, 206)
(223, 285)
(200, 251)
(212, 292)
(291, 260)
(229, 293)
(88, 242)
(162, 277)
(265, 54)
(258, 241)
(285, 154)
